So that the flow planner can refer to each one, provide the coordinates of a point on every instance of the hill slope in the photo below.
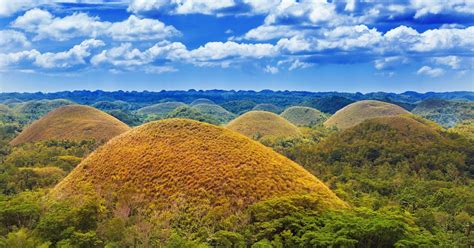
(161, 108)
(217, 112)
(358, 112)
(178, 159)
(201, 101)
(258, 124)
(444, 112)
(304, 116)
(72, 122)
(267, 107)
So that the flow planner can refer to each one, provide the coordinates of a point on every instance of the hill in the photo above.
(239, 107)
(267, 107)
(187, 112)
(259, 124)
(304, 116)
(465, 128)
(217, 112)
(35, 109)
(73, 122)
(161, 108)
(446, 113)
(114, 105)
(201, 101)
(328, 104)
(358, 112)
(188, 161)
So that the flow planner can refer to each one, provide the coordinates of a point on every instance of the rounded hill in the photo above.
(259, 124)
(358, 112)
(201, 101)
(267, 107)
(161, 108)
(183, 160)
(446, 113)
(304, 116)
(74, 122)
(219, 113)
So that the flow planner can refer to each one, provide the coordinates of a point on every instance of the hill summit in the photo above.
(304, 116)
(176, 159)
(258, 124)
(73, 122)
(358, 112)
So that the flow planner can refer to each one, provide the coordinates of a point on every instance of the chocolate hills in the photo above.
(217, 112)
(161, 108)
(183, 160)
(201, 101)
(444, 112)
(267, 107)
(259, 124)
(74, 122)
(304, 116)
(358, 112)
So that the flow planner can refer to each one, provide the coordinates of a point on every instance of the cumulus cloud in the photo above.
(181, 6)
(425, 7)
(452, 61)
(12, 40)
(431, 72)
(271, 69)
(74, 56)
(46, 26)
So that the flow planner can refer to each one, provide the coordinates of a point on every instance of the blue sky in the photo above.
(313, 45)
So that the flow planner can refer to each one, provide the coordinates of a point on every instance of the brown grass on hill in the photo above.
(175, 159)
(74, 122)
(259, 124)
(358, 112)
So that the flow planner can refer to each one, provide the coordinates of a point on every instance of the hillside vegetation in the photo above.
(217, 112)
(259, 124)
(33, 110)
(446, 113)
(358, 112)
(304, 116)
(328, 104)
(184, 160)
(267, 107)
(201, 101)
(161, 109)
(73, 122)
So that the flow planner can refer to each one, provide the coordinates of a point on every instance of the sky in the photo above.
(311, 45)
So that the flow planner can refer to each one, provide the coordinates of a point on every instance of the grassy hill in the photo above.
(267, 107)
(201, 101)
(217, 112)
(259, 124)
(187, 112)
(187, 161)
(446, 113)
(465, 128)
(73, 122)
(161, 109)
(358, 112)
(239, 107)
(33, 110)
(304, 116)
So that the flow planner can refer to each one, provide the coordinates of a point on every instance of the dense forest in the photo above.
(408, 181)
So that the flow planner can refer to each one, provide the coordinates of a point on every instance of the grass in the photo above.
(260, 124)
(161, 109)
(267, 107)
(358, 112)
(202, 101)
(217, 112)
(304, 116)
(73, 122)
(177, 160)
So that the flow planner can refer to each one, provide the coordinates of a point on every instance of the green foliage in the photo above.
(329, 104)
(446, 113)
(239, 107)
(193, 114)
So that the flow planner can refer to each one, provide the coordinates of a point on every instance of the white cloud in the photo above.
(389, 62)
(425, 7)
(306, 11)
(431, 72)
(11, 59)
(74, 56)
(271, 69)
(297, 64)
(12, 40)
(9, 7)
(45, 25)
(181, 6)
(215, 51)
(452, 61)
(269, 32)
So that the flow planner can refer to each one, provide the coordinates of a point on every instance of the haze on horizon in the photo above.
(311, 45)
